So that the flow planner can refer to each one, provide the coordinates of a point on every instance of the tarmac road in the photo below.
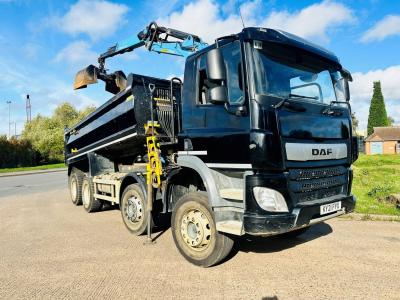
(32, 183)
(52, 249)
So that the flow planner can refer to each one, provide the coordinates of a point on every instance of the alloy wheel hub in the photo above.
(85, 194)
(134, 209)
(73, 189)
(196, 230)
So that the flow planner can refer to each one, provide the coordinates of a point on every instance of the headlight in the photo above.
(270, 199)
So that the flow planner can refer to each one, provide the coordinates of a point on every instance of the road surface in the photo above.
(32, 183)
(50, 249)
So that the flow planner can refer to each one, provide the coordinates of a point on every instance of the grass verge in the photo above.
(44, 167)
(375, 178)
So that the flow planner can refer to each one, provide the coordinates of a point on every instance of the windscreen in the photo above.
(290, 73)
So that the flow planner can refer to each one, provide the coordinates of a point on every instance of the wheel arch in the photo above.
(132, 178)
(193, 171)
(80, 164)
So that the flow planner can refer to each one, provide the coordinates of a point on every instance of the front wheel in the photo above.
(194, 231)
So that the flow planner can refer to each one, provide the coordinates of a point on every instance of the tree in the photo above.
(354, 123)
(377, 111)
(46, 134)
(16, 152)
(65, 114)
(391, 121)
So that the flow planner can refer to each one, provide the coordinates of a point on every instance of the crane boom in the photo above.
(155, 38)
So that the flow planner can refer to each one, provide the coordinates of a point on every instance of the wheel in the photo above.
(295, 233)
(90, 204)
(75, 186)
(133, 209)
(194, 231)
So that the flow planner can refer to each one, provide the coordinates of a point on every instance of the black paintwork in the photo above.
(259, 224)
(124, 114)
(256, 136)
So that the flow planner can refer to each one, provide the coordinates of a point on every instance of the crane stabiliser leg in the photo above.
(154, 166)
(153, 177)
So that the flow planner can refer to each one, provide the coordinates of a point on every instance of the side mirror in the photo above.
(346, 88)
(346, 77)
(215, 66)
(217, 95)
(216, 76)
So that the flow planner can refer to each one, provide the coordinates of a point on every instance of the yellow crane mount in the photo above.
(154, 166)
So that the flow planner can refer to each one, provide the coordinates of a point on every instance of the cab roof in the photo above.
(283, 37)
(274, 36)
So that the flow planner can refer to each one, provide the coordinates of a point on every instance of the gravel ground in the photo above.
(52, 249)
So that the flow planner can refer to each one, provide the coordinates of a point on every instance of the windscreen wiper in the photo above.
(301, 96)
(331, 111)
(289, 105)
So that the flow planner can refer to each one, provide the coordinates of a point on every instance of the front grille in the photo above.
(319, 183)
(300, 174)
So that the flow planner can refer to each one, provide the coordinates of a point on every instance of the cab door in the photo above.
(221, 135)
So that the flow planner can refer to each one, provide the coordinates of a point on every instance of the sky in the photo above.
(44, 43)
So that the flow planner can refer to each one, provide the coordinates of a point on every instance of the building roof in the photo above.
(384, 134)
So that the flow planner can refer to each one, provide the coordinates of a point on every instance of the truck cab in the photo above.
(281, 122)
(256, 140)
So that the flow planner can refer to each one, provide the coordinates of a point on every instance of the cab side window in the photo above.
(202, 80)
(232, 58)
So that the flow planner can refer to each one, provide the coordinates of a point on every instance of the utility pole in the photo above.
(9, 119)
(28, 109)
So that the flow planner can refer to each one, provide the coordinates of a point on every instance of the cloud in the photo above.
(46, 91)
(388, 26)
(362, 88)
(204, 18)
(77, 53)
(96, 18)
(313, 21)
(170, 76)
(31, 50)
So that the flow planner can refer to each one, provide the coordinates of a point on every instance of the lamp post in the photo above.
(9, 119)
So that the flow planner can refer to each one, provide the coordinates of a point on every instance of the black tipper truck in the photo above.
(256, 140)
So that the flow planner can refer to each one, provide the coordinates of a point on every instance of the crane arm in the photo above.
(154, 38)
(157, 39)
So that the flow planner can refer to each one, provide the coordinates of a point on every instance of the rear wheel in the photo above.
(75, 180)
(194, 231)
(90, 204)
(134, 209)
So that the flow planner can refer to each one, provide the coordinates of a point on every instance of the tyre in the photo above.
(295, 233)
(194, 231)
(133, 208)
(90, 204)
(75, 186)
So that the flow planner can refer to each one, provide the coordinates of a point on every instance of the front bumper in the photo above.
(300, 216)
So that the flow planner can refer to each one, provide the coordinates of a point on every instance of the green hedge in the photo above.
(16, 153)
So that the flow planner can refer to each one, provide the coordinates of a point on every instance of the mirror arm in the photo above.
(346, 74)
(236, 110)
